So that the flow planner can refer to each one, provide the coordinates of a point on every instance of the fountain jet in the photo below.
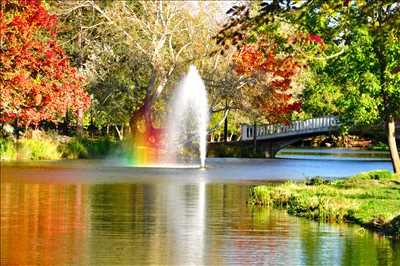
(188, 121)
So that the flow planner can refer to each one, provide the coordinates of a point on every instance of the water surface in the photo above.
(103, 213)
(333, 153)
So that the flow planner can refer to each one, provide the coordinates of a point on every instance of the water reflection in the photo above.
(169, 223)
(39, 223)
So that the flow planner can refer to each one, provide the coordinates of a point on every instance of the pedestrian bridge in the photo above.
(272, 138)
(312, 126)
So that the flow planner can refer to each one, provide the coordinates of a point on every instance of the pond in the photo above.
(106, 213)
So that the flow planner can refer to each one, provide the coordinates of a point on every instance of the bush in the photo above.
(100, 147)
(74, 149)
(78, 148)
(236, 151)
(316, 181)
(40, 145)
(380, 146)
(39, 149)
(7, 149)
(394, 227)
(375, 175)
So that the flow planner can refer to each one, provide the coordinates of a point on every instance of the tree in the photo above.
(135, 52)
(271, 53)
(36, 80)
(362, 39)
(270, 93)
(367, 69)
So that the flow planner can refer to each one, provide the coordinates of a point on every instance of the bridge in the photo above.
(272, 138)
(312, 126)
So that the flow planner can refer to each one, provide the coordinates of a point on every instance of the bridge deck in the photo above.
(295, 128)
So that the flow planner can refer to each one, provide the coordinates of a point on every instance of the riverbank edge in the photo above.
(42, 146)
(356, 200)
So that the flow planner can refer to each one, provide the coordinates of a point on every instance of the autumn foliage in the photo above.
(271, 92)
(37, 81)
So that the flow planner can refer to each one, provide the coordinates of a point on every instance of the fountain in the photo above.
(188, 120)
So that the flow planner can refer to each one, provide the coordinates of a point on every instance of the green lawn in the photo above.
(369, 199)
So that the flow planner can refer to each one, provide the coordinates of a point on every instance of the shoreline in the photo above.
(370, 199)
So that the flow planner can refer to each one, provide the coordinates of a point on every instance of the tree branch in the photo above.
(96, 7)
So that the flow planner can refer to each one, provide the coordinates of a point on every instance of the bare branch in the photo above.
(332, 55)
(113, 22)
(171, 49)
(181, 50)
(68, 11)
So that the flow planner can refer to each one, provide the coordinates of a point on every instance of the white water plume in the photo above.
(188, 120)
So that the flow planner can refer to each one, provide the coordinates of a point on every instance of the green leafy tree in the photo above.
(364, 76)
(134, 52)
(359, 69)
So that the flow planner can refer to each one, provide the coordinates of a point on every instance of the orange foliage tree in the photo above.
(37, 81)
(270, 93)
(271, 54)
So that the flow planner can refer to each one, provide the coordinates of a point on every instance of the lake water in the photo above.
(107, 213)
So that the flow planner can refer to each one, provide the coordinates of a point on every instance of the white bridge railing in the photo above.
(314, 125)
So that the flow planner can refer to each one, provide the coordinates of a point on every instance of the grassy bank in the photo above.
(42, 146)
(370, 199)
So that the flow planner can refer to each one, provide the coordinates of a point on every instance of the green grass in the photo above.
(30, 149)
(7, 150)
(369, 199)
(43, 146)
(380, 146)
(39, 149)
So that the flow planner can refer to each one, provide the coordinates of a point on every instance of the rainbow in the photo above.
(146, 147)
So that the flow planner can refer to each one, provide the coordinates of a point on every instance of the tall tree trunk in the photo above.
(79, 125)
(17, 144)
(144, 112)
(226, 129)
(66, 123)
(394, 154)
(137, 116)
(120, 133)
(230, 136)
(255, 138)
(91, 124)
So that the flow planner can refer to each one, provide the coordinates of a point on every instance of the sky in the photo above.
(224, 6)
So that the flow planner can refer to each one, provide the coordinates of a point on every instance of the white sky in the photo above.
(224, 5)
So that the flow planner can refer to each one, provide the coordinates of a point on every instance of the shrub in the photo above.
(100, 147)
(39, 149)
(78, 148)
(223, 150)
(74, 149)
(380, 146)
(7, 149)
(40, 145)
(375, 175)
(316, 181)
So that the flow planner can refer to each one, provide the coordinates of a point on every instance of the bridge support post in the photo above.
(255, 139)
(271, 152)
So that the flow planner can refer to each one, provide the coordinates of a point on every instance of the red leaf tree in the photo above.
(271, 91)
(274, 70)
(37, 81)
